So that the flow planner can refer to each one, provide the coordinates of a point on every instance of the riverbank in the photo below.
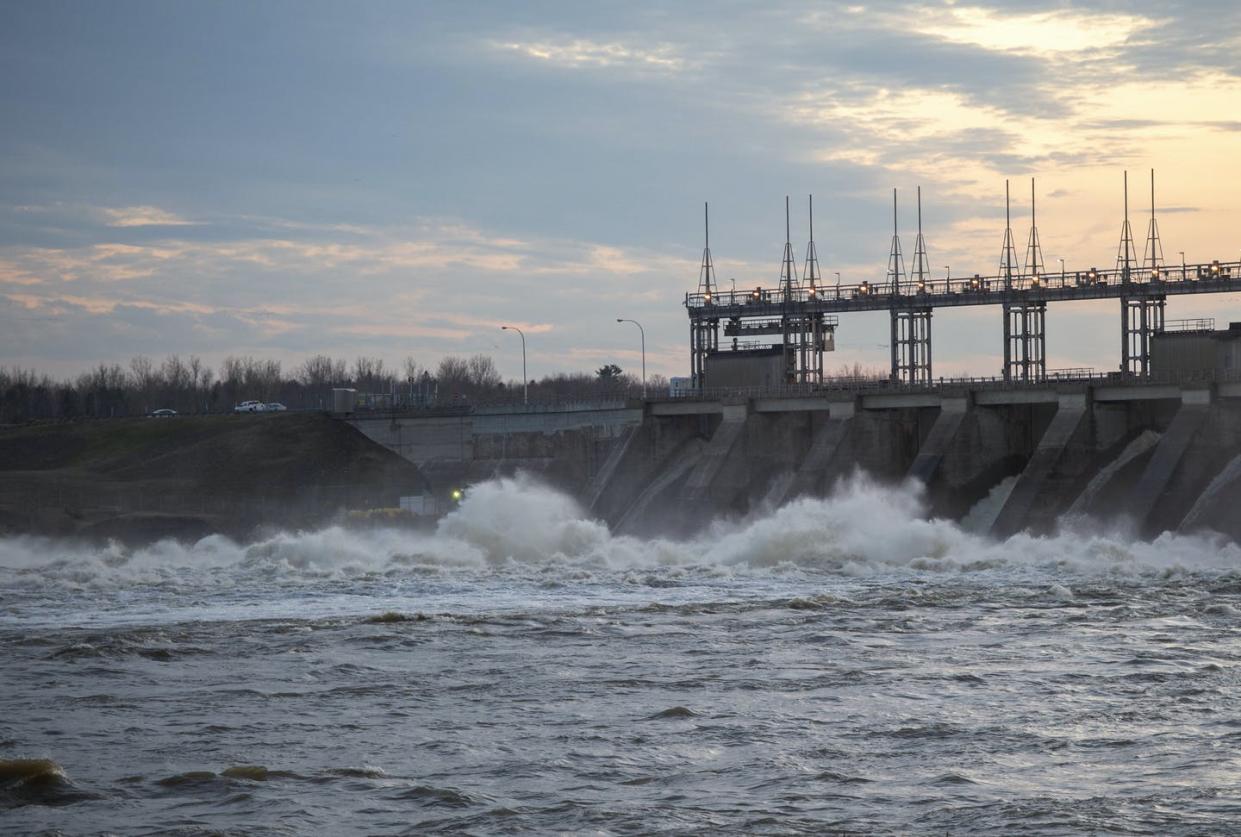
(138, 480)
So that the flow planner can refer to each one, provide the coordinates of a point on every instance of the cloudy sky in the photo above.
(286, 178)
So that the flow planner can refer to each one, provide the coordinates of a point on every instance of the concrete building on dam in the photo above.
(1156, 441)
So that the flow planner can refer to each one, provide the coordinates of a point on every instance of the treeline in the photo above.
(188, 385)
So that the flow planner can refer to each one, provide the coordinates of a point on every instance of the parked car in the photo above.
(164, 413)
(274, 407)
(249, 407)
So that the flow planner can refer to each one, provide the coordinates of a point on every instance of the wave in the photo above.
(37, 782)
(514, 524)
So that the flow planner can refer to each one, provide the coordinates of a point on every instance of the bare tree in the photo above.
(483, 374)
(321, 371)
(453, 373)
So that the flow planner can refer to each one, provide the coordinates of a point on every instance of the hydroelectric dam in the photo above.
(1157, 442)
(1165, 454)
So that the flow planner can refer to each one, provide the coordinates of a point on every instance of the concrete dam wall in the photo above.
(1163, 456)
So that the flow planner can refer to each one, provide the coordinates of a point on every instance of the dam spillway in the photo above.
(671, 465)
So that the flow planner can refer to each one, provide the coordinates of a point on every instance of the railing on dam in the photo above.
(1207, 277)
(1077, 379)
(1057, 379)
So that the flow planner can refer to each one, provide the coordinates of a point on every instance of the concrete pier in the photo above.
(810, 476)
(931, 453)
(1168, 454)
(1070, 415)
(706, 480)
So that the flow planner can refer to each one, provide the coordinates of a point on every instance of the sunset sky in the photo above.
(281, 179)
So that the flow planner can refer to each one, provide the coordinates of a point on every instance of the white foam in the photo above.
(518, 524)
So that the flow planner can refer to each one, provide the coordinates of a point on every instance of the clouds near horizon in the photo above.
(284, 179)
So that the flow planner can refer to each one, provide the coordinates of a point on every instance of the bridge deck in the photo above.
(1211, 277)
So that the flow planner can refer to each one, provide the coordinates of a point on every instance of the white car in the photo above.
(250, 407)
(274, 407)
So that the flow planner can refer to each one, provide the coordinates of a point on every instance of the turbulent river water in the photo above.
(839, 665)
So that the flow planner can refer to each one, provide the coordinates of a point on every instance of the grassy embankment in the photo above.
(138, 479)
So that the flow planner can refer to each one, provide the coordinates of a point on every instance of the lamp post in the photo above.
(642, 334)
(525, 380)
(837, 272)
(1182, 252)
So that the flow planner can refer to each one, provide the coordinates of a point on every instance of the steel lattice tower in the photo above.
(1034, 250)
(789, 282)
(1152, 256)
(1126, 255)
(1142, 308)
(920, 267)
(1008, 251)
(896, 262)
(706, 273)
(705, 333)
(1025, 357)
(810, 269)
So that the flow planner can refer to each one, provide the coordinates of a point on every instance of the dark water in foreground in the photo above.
(826, 668)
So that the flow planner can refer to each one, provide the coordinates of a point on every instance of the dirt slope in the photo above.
(142, 478)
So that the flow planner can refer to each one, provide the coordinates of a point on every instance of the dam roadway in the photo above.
(1155, 451)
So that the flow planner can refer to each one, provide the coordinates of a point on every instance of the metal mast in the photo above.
(1142, 306)
(1024, 320)
(706, 273)
(704, 336)
(788, 269)
(1152, 257)
(1034, 250)
(920, 268)
(1008, 251)
(812, 348)
(1126, 256)
(910, 334)
(790, 325)
(810, 270)
(896, 262)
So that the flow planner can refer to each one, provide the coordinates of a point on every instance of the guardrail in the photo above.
(969, 290)
(875, 385)
(1083, 376)
(1192, 324)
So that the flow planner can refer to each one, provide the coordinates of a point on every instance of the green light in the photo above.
(457, 494)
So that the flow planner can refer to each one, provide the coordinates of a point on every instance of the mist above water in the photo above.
(519, 525)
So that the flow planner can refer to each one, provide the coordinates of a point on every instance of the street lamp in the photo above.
(1062, 273)
(837, 272)
(1182, 252)
(525, 380)
(642, 334)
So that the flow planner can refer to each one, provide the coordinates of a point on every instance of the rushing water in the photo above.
(840, 665)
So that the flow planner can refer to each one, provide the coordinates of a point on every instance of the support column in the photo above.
(1071, 414)
(951, 414)
(1140, 317)
(911, 346)
(1150, 487)
(1025, 345)
(894, 347)
(704, 338)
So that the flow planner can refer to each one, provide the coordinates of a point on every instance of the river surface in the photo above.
(839, 665)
